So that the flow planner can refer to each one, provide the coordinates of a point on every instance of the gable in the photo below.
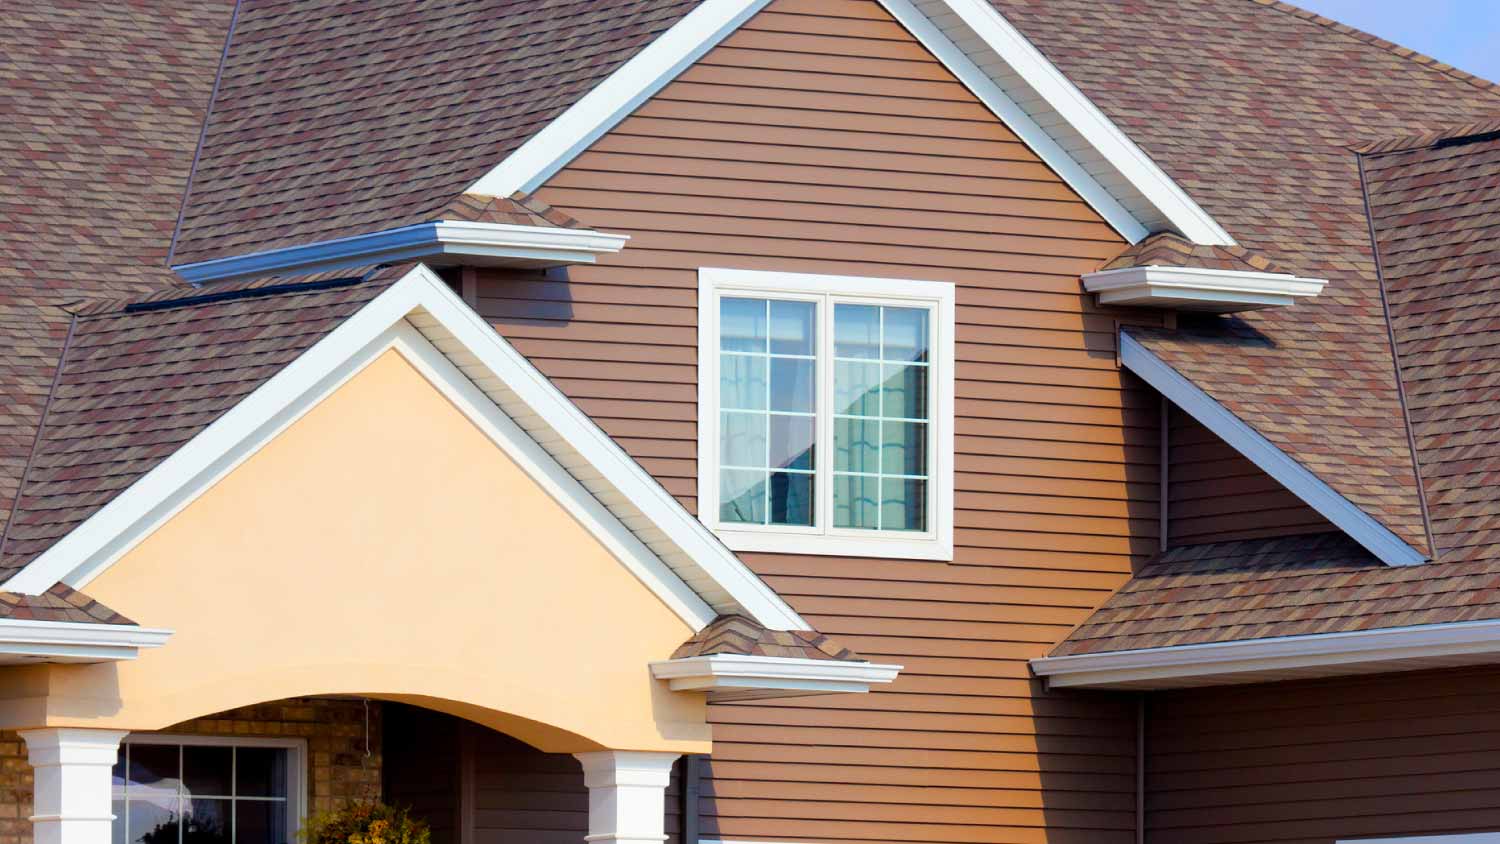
(383, 544)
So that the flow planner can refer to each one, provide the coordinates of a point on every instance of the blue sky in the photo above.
(1463, 33)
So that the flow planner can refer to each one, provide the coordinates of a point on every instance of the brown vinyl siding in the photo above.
(1217, 495)
(852, 151)
(1320, 761)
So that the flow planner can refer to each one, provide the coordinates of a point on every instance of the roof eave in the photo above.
(440, 242)
(1200, 288)
(1280, 658)
(743, 677)
(29, 641)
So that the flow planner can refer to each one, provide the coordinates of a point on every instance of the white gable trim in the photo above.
(976, 43)
(617, 96)
(1359, 525)
(702, 579)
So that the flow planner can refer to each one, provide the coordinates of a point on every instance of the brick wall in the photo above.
(334, 729)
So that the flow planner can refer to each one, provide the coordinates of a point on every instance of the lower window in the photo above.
(192, 790)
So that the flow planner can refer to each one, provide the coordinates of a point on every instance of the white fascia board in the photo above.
(617, 96)
(89, 549)
(484, 243)
(24, 640)
(1312, 490)
(1070, 104)
(1200, 289)
(1002, 106)
(732, 676)
(1259, 660)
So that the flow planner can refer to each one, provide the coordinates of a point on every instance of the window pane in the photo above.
(792, 331)
(905, 334)
(855, 501)
(207, 821)
(153, 822)
(903, 448)
(791, 442)
(260, 822)
(117, 829)
(856, 388)
(742, 496)
(793, 388)
(207, 770)
(742, 439)
(791, 498)
(856, 331)
(154, 767)
(856, 444)
(903, 504)
(260, 772)
(742, 382)
(742, 325)
(904, 392)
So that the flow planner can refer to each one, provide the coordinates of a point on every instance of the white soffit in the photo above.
(648, 530)
(739, 677)
(1199, 289)
(1280, 658)
(25, 641)
(1004, 70)
(1348, 517)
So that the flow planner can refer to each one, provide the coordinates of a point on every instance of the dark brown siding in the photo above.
(1316, 762)
(822, 138)
(1217, 495)
(421, 753)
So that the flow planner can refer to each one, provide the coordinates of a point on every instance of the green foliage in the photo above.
(366, 823)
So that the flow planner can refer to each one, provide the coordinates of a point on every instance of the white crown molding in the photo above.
(24, 640)
(654, 536)
(738, 677)
(1317, 494)
(484, 244)
(1281, 658)
(1200, 289)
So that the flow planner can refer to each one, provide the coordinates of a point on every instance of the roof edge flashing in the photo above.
(457, 241)
(1279, 658)
(1200, 289)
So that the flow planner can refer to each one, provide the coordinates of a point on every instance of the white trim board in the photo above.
(741, 677)
(1280, 658)
(995, 61)
(25, 640)
(1456, 838)
(1359, 525)
(705, 577)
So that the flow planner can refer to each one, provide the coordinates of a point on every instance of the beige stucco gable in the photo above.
(383, 545)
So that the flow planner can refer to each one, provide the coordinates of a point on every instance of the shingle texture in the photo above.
(1252, 107)
(329, 123)
(136, 384)
(742, 636)
(1166, 249)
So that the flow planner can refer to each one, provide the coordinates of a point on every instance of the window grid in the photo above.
(181, 796)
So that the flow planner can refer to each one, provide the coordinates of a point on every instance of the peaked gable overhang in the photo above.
(1360, 526)
(975, 42)
(650, 533)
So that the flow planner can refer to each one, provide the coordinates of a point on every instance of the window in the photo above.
(199, 790)
(826, 413)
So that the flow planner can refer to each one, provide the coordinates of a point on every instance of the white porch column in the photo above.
(72, 794)
(627, 795)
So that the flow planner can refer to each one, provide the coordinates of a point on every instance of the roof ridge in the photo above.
(1389, 46)
(41, 428)
(1473, 131)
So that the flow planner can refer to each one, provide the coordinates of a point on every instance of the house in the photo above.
(746, 421)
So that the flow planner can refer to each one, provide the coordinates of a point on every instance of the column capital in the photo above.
(72, 745)
(627, 795)
(626, 767)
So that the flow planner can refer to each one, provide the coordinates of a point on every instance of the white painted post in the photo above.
(71, 802)
(627, 795)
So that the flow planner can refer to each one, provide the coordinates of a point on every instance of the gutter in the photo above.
(1280, 658)
(737, 677)
(24, 640)
(482, 244)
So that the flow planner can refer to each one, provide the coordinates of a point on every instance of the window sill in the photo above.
(813, 544)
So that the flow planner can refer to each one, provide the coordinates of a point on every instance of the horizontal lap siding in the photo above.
(1217, 495)
(1317, 762)
(822, 138)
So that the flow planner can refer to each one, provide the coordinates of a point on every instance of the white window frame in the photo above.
(824, 539)
(296, 762)
(1453, 838)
